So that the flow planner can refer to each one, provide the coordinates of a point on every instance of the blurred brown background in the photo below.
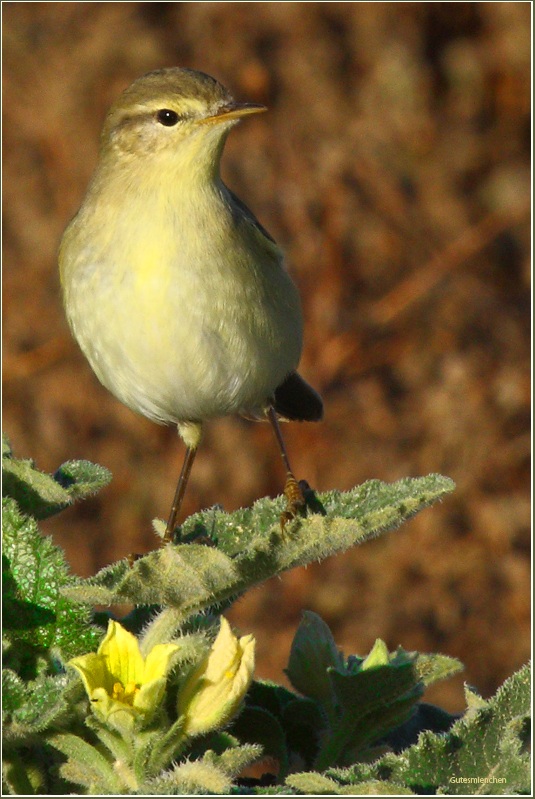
(393, 167)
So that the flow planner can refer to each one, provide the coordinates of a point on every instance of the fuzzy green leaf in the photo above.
(43, 704)
(484, 752)
(376, 788)
(112, 739)
(13, 691)
(270, 696)
(313, 652)
(303, 723)
(21, 775)
(317, 784)
(426, 717)
(474, 700)
(6, 447)
(165, 748)
(41, 495)
(35, 612)
(255, 725)
(300, 719)
(195, 777)
(251, 547)
(432, 668)
(35, 492)
(372, 702)
(311, 783)
(234, 759)
(82, 478)
(85, 765)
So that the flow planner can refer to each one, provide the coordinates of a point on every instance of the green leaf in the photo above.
(191, 778)
(111, 738)
(21, 775)
(41, 495)
(42, 705)
(252, 548)
(484, 752)
(13, 691)
(432, 668)
(378, 656)
(36, 493)
(6, 447)
(165, 748)
(35, 612)
(187, 578)
(312, 783)
(82, 478)
(376, 788)
(474, 701)
(313, 652)
(255, 725)
(373, 701)
(426, 717)
(86, 766)
(303, 723)
(234, 759)
(270, 696)
(298, 723)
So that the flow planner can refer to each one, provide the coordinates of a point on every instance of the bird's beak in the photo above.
(232, 111)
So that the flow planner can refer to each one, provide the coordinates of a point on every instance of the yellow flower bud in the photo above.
(213, 692)
(379, 656)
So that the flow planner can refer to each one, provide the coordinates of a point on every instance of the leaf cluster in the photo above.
(349, 725)
(486, 751)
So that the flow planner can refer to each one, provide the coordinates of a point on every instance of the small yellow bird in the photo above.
(176, 294)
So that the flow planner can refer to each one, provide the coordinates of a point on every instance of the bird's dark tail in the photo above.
(295, 400)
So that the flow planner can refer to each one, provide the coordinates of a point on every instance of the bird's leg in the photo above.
(179, 493)
(190, 432)
(292, 490)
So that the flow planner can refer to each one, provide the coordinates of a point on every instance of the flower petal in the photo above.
(150, 696)
(225, 654)
(158, 661)
(120, 651)
(93, 671)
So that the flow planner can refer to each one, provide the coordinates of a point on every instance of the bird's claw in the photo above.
(295, 500)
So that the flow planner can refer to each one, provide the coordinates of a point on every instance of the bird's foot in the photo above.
(295, 500)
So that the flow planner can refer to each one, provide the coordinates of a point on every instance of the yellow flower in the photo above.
(119, 681)
(212, 694)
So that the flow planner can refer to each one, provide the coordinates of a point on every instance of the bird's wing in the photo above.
(245, 214)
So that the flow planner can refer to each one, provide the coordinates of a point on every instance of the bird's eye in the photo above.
(167, 117)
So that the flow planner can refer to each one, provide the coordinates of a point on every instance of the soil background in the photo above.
(393, 167)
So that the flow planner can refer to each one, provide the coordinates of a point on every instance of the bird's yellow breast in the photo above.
(182, 311)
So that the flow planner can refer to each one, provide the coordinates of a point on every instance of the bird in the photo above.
(179, 298)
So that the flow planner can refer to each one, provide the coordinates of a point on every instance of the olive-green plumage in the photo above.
(178, 297)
